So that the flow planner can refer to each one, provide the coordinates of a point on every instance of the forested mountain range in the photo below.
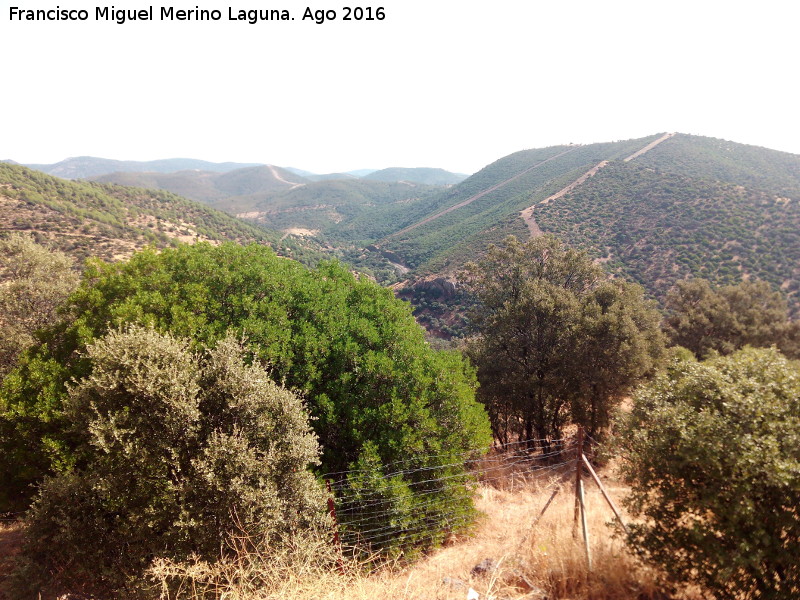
(264, 189)
(281, 199)
(653, 210)
(212, 187)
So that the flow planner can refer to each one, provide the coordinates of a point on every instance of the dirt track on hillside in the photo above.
(277, 176)
(649, 147)
(479, 195)
(527, 214)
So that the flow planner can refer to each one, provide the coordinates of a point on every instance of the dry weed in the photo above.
(518, 561)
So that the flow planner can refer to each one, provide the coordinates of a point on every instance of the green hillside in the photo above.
(110, 221)
(656, 227)
(385, 223)
(654, 210)
(443, 240)
(330, 206)
(196, 185)
(339, 205)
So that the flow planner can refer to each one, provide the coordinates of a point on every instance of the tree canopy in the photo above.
(712, 454)
(705, 320)
(558, 339)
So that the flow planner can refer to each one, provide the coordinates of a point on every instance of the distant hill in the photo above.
(280, 199)
(428, 176)
(326, 206)
(311, 176)
(361, 172)
(84, 167)
(417, 175)
(301, 172)
(110, 221)
(210, 187)
(330, 176)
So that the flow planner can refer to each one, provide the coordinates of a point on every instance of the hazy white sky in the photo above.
(438, 83)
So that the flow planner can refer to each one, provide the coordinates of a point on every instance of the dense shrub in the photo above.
(179, 450)
(712, 454)
(750, 313)
(34, 281)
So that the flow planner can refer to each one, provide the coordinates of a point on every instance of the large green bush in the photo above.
(179, 451)
(371, 382)
(712, 454)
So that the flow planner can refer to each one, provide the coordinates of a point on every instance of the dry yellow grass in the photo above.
(527, 562)
(531, 562)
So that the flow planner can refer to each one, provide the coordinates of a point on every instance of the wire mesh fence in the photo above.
(421, 501)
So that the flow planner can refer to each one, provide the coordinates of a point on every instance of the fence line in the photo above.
(434, 498)
(467, 476)
(523, 444)
(517, 461)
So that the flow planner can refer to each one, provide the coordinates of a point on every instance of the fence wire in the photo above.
(419, 502)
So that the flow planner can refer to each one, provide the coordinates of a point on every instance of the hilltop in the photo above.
(417, 175)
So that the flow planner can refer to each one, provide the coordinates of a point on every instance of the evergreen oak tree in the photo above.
(706, 320)
(34, 281)
(558, 341)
